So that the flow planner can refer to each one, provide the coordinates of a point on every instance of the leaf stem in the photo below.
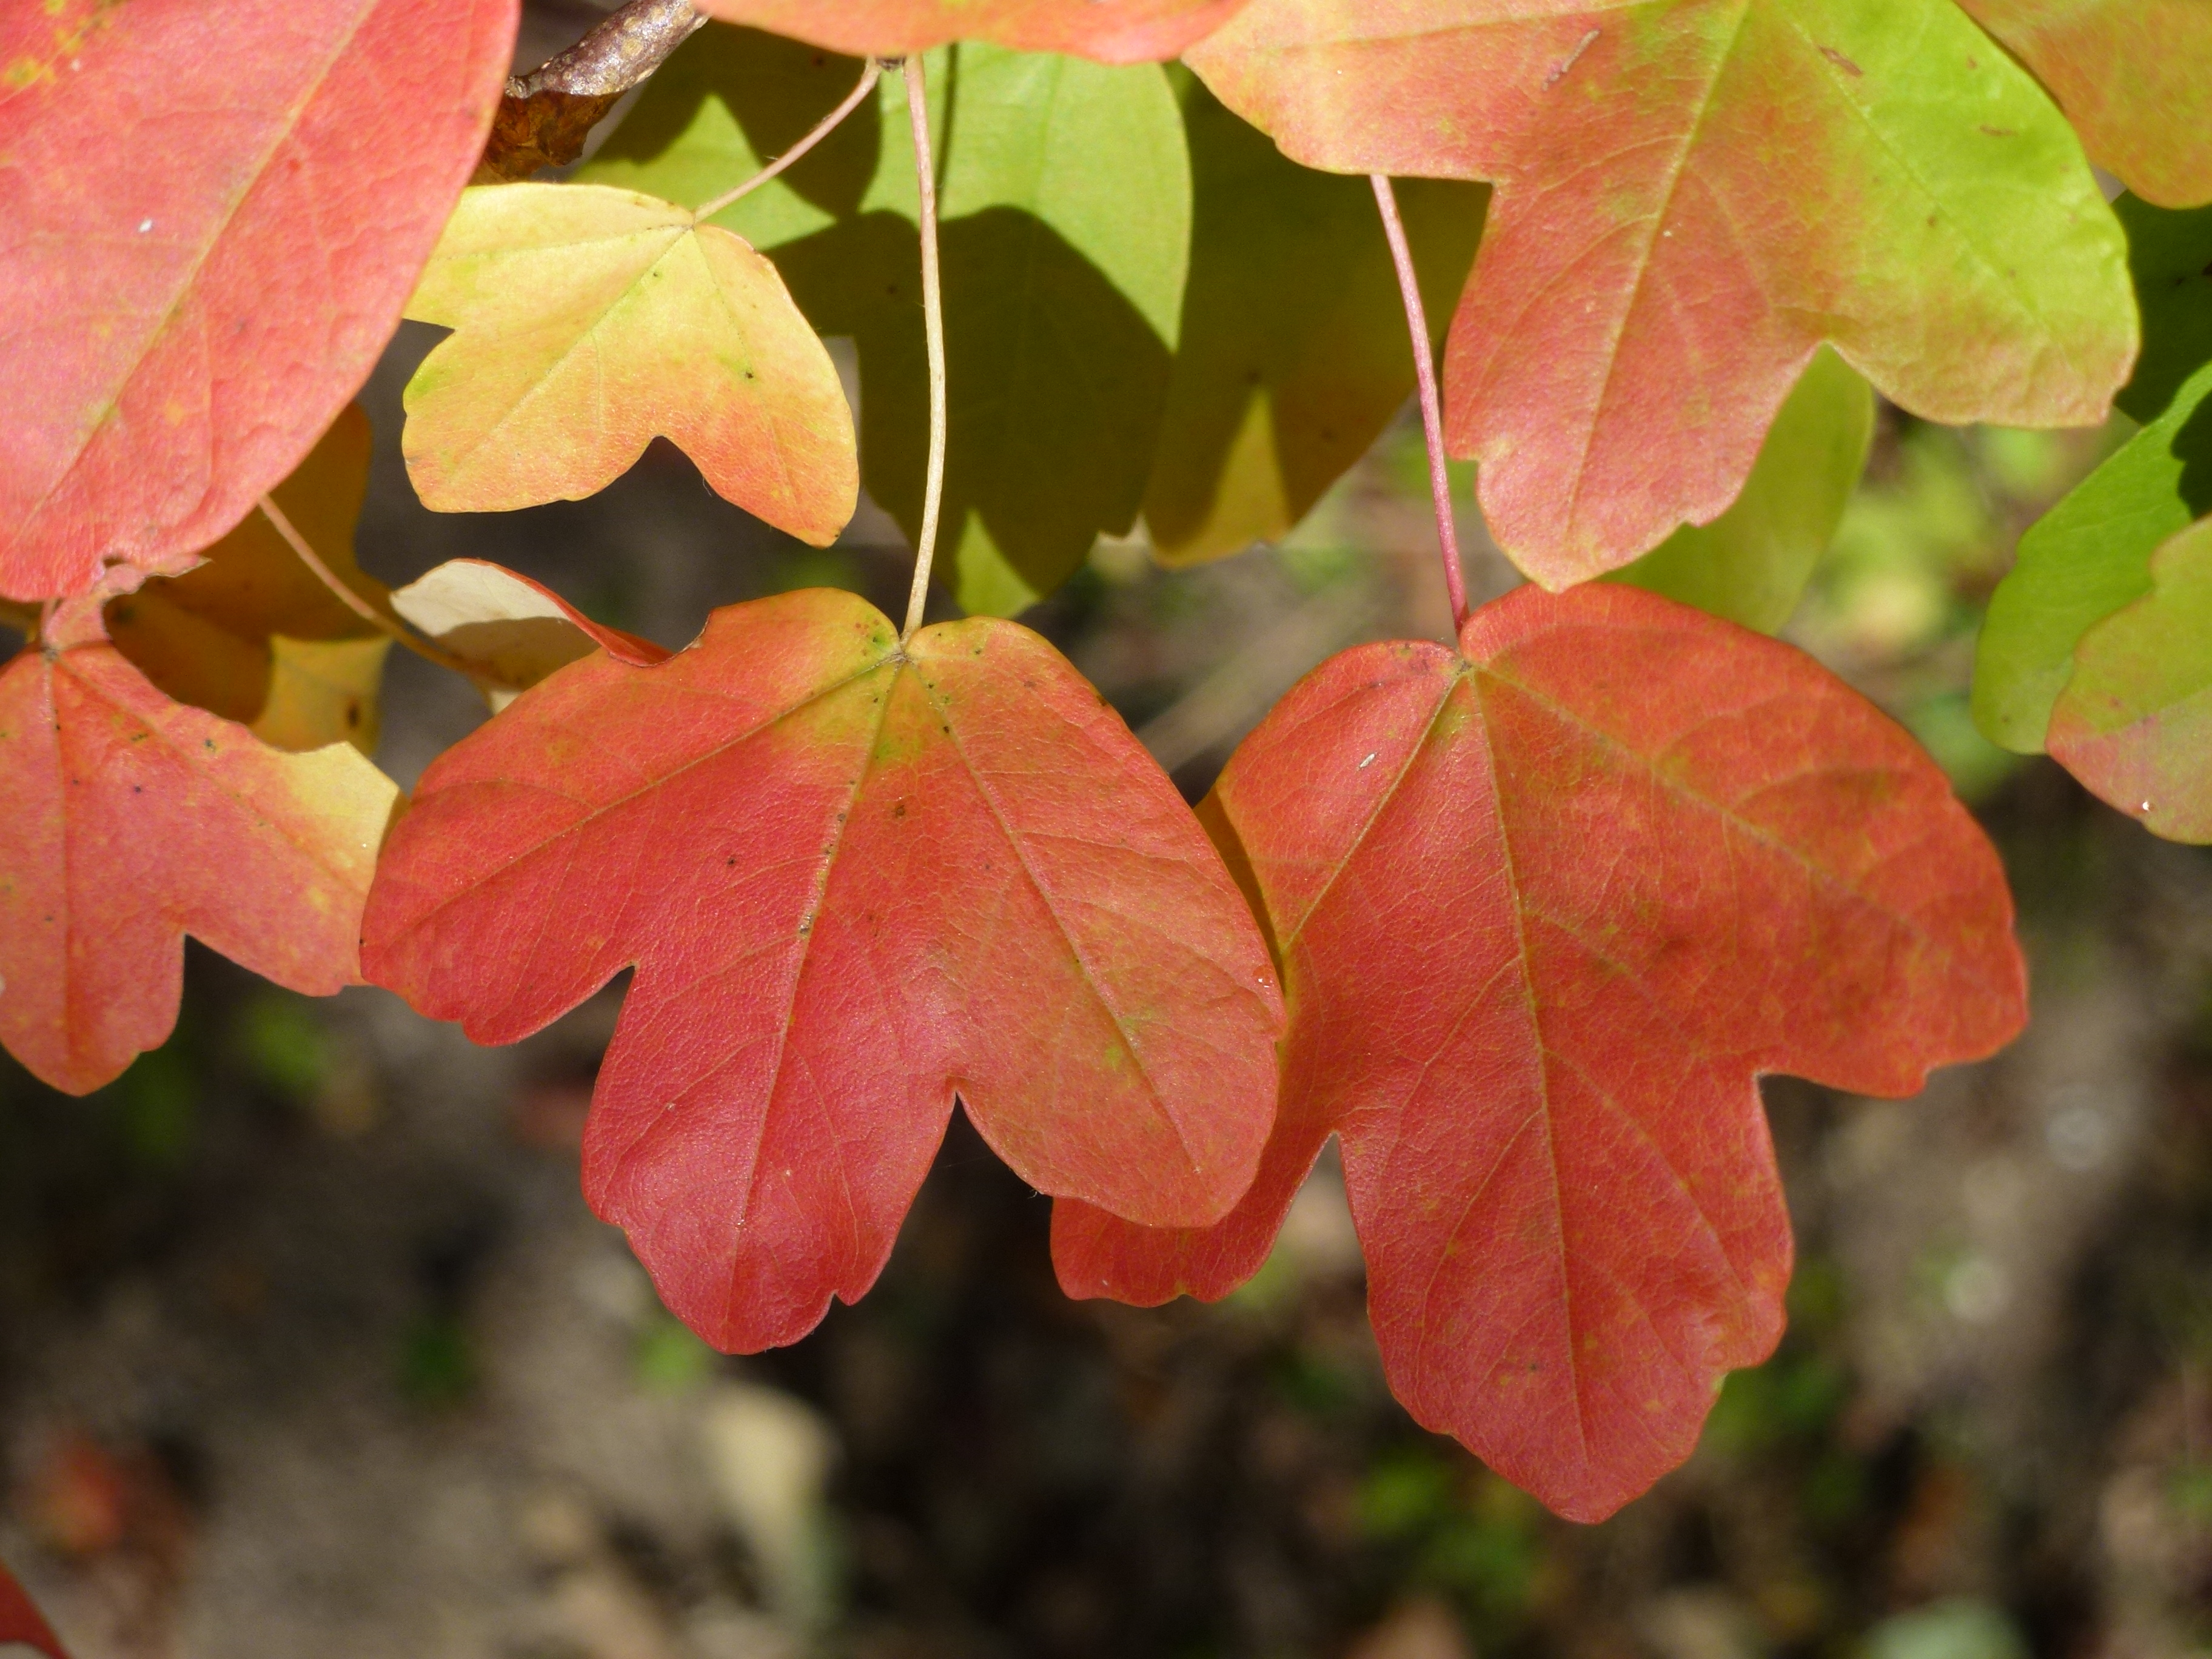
(932, 310)
(827, 125)
(427, 650)
(1425, 370)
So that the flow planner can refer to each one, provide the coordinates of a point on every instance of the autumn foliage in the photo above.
(1520, 918)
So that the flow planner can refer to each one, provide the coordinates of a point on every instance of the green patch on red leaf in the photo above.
(854, 879)
(1692, 196)
(1546, 910)
(214, 214)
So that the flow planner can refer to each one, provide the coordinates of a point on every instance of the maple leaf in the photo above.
(1110, 31)
(1291, 357)
(853, 878)
(1065, 191)
(133, 820)
(210, 216)
(1545, 910)
(1691, 196)
(1751, 564)
(507, 630)
(2134, 76)
(21, 1622)
(2090, 556)
(2134, 722)
(590, 320)
(255, 636)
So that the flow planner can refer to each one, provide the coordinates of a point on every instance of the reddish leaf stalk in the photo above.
(827, 125)
(369, 613)
(933, 307)
(1424, 369)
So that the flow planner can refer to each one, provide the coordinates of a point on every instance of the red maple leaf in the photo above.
(855, 877)
(210, 218)
(1111, 31)
(132, 821)
(1546, 908)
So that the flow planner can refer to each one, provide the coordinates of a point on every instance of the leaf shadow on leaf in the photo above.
(2166, 255)
(777, 89)
(2192, 447)
(1292, 356)
(1034, 475)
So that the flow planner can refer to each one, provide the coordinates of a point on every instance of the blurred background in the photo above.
(309, 1345)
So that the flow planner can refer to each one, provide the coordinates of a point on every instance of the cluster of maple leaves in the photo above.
(1521, 918)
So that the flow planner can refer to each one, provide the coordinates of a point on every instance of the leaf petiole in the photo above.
(827, 125)
(932, 308)
(426, 649)
(1425, 369)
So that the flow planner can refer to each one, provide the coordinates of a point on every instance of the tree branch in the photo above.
(547, 114)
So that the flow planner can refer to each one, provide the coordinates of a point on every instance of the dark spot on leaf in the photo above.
(1840, 61)
(2001, 132)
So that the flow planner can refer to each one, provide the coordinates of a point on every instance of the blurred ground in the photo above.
(309, 1347)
